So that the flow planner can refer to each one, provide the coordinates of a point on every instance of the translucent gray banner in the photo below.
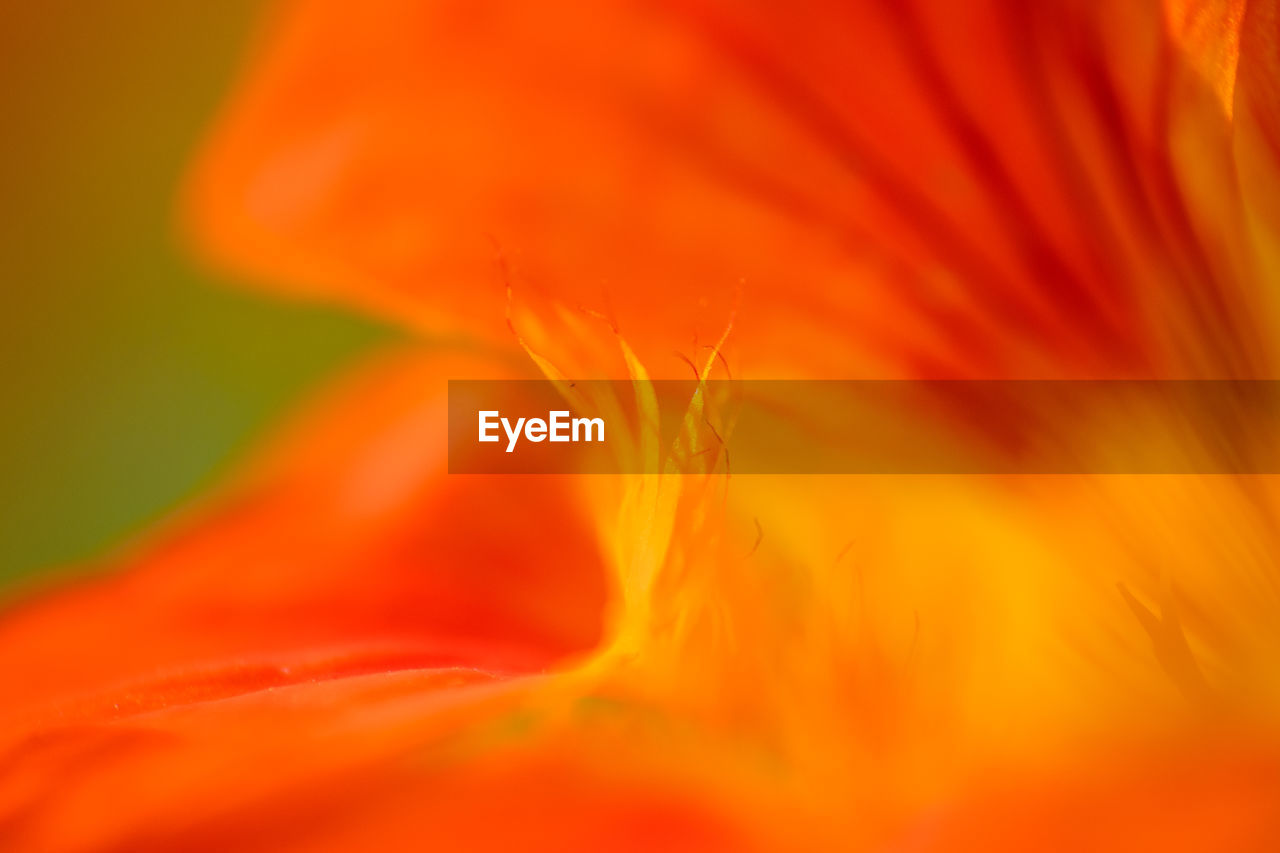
(864, 427)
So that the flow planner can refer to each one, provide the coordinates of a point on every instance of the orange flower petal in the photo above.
(398, 153)
(1213, 796)
(348, 550)
(1257, 133)
(387, 761)
(846, 169)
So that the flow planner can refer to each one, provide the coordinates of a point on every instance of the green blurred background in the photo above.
(129, 379)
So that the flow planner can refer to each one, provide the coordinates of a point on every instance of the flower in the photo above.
(351, 648)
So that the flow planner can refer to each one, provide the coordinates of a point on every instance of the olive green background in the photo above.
(129, 378)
